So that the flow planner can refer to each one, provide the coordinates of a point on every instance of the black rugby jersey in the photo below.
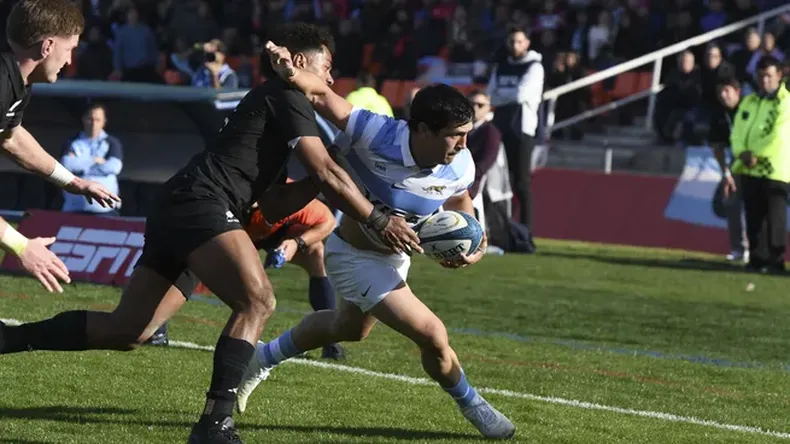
(252, 149)
(14, 94)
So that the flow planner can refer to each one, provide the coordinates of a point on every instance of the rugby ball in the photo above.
(448, 234)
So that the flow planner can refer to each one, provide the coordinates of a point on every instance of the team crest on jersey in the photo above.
(438, 189)
(380, 166)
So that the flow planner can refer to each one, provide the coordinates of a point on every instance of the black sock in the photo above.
(230, 360)
(65, 332)
(322, 297)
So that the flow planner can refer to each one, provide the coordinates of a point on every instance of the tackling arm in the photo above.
(331, 106)
(27, 152)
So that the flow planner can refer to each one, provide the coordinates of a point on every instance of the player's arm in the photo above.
(319, 220)
(331, 106)
(26, 152)
(338, 187)
(34, 256)
(281, 201)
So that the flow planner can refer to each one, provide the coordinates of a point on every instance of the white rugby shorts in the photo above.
(361, 277)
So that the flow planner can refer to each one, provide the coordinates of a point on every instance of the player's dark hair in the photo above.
(477, 92)
(767, 62)
(31, 21)
(440, 106)
(298, 37)
(515, 29)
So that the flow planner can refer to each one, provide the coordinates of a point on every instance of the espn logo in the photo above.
(85, 249)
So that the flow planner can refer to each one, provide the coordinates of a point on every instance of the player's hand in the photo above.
(39, 261)
(729, 186)
(748, 159)
(400, 237)
(463, 261)
(281, 60)
(289, 248)
(92, 191)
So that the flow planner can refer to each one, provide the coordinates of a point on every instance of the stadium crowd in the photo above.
(177, 41)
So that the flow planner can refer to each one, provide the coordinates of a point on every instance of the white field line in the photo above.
(507, 393)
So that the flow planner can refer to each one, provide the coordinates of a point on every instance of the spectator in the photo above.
(768, 48)
(714, 18)
(762, 159)
(136, 52)
(600, 35)
(215, 73)
(180, 60)
(678, 99)
(715, 68)
(740, 59)
(484, 141)
(95, 59)
(566, 69)
(366, 96)
(729, 97)
(93, 155)
(516, 90)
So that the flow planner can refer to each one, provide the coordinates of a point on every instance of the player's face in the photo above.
(442, 146)
(320, 64)
(55, 53)
(517, 44)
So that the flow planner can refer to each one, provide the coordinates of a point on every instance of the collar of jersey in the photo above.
(408, 159)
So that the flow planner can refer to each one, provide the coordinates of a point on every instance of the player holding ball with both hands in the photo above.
(410, 168)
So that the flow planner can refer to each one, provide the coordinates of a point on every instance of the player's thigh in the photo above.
(229, 265)
(405, 313)
(360, 277)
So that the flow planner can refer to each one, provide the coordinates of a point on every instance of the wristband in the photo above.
(301, 246)
(61, 176)
(13, 240)
(727, 173)
(377, 220)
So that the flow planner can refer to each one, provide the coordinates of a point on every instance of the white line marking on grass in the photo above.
(507, 393)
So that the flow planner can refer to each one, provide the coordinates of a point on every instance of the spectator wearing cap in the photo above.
(215, 73)
(762, 159)
(516, 92)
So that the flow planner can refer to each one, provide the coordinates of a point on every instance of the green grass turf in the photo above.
(560, 323)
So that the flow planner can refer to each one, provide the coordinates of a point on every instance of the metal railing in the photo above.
(655, 58)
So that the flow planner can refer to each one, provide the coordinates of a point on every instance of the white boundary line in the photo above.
(507, 393)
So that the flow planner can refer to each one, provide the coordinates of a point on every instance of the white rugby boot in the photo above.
(254, 375)
(488, 420)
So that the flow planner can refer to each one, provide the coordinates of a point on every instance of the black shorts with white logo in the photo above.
(179, 224)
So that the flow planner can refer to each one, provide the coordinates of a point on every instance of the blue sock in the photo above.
(277, 351)
(322, 297)
(463, 393)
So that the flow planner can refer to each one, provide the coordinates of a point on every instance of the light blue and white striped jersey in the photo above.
(376, 148)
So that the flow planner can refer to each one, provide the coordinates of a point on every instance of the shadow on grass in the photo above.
(94, 415)
(675, 264)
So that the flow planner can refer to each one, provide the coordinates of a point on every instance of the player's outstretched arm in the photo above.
(463, 202)
(281, 201)
(341, 190)
(35, 257)
(28, 153)
(329, 105)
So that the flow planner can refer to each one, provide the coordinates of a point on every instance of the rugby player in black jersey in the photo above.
(41, 35)
(194, 232)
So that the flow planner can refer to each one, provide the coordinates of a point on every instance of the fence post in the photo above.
(550, 116)
(651, 106)
(607, 164)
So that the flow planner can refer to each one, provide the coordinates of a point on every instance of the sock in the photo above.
(322, 297)
(463, 393)
(231, 358)
(65, 332)
(277, 351)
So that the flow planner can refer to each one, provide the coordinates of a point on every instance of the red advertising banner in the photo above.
(95, 249)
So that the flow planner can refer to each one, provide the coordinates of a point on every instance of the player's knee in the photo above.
(435, 340)
(260, 299)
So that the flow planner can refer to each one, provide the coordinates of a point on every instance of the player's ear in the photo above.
(300, 60)
(46, 47)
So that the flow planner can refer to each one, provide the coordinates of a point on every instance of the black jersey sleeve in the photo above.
(295, 116)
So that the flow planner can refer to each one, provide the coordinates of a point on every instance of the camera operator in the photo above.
(215, 73)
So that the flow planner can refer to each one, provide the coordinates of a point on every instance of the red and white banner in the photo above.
(96, 249)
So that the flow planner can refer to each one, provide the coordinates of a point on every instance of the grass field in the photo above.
(635, 336)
